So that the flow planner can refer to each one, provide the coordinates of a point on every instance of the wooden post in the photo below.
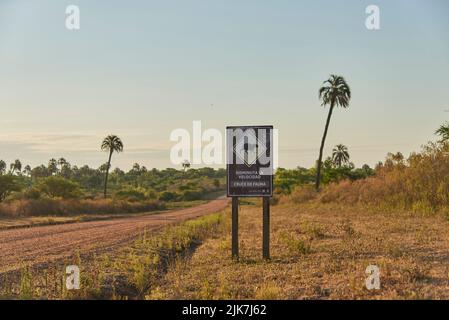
(266, 228)
(235, 227)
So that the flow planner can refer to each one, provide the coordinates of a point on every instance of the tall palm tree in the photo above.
(111, 143)
(443, 132)
(335, 92)
(340, 155)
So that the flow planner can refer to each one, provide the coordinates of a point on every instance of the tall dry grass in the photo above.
(59, 207)
(420, 183)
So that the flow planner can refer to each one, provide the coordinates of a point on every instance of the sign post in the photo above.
(266, 228)
(235, 227)
(249, 165)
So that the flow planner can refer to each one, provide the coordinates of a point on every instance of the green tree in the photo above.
(443, 132)
(27, 170)
(340, 155)
(40, 172)
(110, 144)
(8, 184)
(135, 169)
(118, 172)
(16, 166)
(59, 187)
(63, 166)
(335, 92)
(52, 166)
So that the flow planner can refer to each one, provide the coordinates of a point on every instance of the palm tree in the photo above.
(62, 162)
(135, 168)
(27, 170)
(16, 166)
(443, 132)
(335, 92)
(111, 143)
(52, 166)
(2, 167)
(340, 155)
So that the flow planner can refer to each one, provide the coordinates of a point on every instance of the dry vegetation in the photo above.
(419, 183)
(321, 245)
(58, 207)
(318, 252)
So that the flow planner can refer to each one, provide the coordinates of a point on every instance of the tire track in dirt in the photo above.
(43, 244)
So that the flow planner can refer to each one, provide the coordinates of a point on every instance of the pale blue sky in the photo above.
(140, 69)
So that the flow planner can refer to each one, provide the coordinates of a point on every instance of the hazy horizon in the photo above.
(144, 70)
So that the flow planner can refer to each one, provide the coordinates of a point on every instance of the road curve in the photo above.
(38, 245)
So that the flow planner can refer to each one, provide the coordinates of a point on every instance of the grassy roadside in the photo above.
(318, 252)
(126, 273)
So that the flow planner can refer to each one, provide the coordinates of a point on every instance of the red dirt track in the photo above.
(38, 245)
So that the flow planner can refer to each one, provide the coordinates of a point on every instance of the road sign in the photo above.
(249, 161)
(249, 165)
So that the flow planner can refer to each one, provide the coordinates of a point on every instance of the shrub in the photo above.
(168, 196)
(31, 193)
(8, 184)
(57, 207)
(59, 187)
(420, 183)
(190, 195)
(131, 194)
(303, 194)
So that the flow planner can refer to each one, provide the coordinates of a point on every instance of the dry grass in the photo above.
(59, 207)
(419, 183)
(318, 252)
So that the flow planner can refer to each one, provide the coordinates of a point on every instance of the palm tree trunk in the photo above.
(318, 172)
(107, 173)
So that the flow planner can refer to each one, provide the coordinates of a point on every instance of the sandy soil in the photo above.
(38, 245)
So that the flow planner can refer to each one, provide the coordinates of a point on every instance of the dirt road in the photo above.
(44, 244)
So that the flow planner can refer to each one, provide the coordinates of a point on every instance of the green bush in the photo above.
(59, 187)
(31, 193)
(8, 184)
(191, 195)
(168, 196)
(131, 194)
